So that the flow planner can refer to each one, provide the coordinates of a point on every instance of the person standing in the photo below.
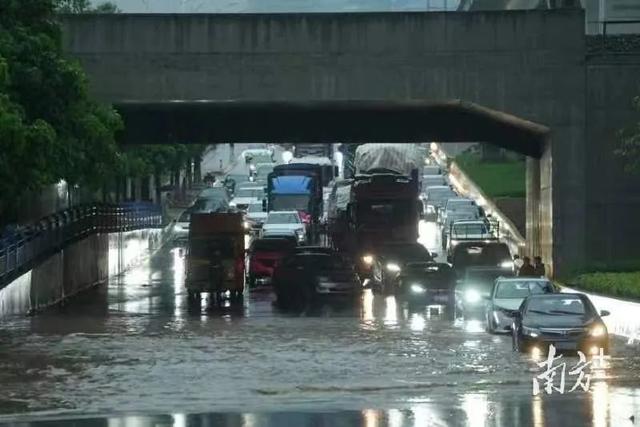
(538, 267)
(527, 269)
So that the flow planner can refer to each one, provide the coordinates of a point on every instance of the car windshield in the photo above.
(255, 207)
(267, 245)
(469, 229)
(290, 202)
(490, 254)
(283, 218)
(509, 289)
(557, 306)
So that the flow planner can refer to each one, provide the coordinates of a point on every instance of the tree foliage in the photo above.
(85, 6)
(50, 129)
(629, 144)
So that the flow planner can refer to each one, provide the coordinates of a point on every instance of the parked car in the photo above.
(569, 321)
(262, 257)
(507, 296)
(284, 223)
(305, 276)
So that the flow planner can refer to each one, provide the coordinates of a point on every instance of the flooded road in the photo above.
(135, 347)
(133, 353)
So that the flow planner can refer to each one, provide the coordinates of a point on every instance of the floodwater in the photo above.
(135, 347)
(134, 354)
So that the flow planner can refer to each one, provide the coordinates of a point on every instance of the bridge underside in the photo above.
(207, 122)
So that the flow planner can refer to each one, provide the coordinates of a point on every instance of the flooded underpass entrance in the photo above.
(136, 353)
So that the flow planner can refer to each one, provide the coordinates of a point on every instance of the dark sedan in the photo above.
(429, 283)
(389, 260)
(569, 321)
(307, 275)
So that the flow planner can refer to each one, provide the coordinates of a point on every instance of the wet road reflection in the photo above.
(137, 347)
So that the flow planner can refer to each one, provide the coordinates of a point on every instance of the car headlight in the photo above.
(247, 225)
(232, 204)
(530, 332)
(506, 264)
(367, 259)
(417, 289)
(393, 267)
(597, 331)
(471, 296)
(454, 242)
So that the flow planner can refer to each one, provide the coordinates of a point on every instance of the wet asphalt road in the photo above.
(134, 354)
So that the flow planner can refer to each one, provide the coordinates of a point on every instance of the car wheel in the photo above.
(490, 327)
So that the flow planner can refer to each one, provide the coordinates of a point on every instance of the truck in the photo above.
(313, 150)
(215, 256)
(297, 186)
(383, 204)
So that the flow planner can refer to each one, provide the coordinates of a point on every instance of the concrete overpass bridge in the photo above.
(516, 79)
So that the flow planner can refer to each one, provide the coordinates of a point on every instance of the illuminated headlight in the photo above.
(536, 353)
(252, 167)
(506, 264)
(300, 234)
(393, 267)
(431, 209)
(597, 331)
(417, 289)
(246, 225)
(472, 296)
(178, 227)
(530, 332)
(367, 259)
(454, 242)
(232, 204)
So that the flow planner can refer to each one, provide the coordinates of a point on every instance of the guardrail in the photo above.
(23, 249)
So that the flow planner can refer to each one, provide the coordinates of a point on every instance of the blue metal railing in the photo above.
(21, 249)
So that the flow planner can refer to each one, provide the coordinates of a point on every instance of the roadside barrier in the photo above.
(25, 247)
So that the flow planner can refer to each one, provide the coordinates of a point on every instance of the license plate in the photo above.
(565, 345)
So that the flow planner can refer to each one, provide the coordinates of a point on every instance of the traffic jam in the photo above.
(321, 224)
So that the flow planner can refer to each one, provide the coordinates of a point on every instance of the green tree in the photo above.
(84, 6)
(629, 144)
(50, 129)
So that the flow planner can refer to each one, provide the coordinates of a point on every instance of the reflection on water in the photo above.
(470, 410)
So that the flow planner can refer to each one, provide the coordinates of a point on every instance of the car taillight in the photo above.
(306, 217)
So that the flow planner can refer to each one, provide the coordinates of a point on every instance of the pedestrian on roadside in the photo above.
(527, 269)
(538, 267)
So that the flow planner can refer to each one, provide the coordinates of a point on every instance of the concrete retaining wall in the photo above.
(78, 267)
